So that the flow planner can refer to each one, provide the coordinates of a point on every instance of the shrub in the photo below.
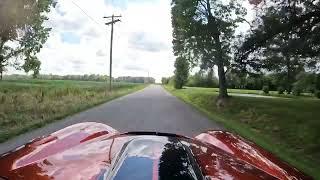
(265, 89)
(317, 93)
(296, 91)
(280, 90)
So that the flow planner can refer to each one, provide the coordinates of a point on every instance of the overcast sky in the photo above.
(80, 45)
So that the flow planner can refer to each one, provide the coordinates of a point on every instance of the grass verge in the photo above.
(288, 127)
(260, 92)
(26, 105)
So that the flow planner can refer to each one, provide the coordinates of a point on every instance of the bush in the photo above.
(296, 91)
(317, 93)
(280, 90)
(265, 89)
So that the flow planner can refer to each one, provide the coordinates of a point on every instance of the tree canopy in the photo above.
(22, 32)
(285, 31)
(203, 32)
(282, 44)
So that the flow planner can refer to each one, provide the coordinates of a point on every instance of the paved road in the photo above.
(151, 109)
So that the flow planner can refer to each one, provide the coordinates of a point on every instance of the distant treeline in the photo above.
(303, 82)
(85, 77)
(135, 79)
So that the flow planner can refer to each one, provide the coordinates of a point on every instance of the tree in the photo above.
(318, 82)
(285, 35)
(247, 81)
(181, 72)
(165, 80)
(135, 79)
(306, 82)
(2, 65)
(22, 24)
(203, 79)
(203, 31)
(235, 81)
(4, 56)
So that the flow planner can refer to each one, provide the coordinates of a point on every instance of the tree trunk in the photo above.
(289, 80)
(212, 26)
(1, 58)
(223, 93)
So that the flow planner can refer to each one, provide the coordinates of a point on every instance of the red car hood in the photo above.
(97, 151)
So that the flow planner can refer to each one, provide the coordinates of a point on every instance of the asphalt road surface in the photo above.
(150, 109)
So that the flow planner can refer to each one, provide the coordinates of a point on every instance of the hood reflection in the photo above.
(156, 158)
(176, 162)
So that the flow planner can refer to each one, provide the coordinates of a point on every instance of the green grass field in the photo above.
(29, 104)
(288, 127)
(260, 92)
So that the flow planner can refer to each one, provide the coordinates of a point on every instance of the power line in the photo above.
(92, 19)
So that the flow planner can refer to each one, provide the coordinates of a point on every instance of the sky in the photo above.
(79, 43)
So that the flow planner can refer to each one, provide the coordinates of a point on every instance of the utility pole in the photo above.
(112, 22)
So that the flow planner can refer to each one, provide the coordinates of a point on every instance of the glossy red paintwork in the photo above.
(251, 154)
(87, 150)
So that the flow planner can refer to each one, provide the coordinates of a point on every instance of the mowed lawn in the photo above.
(288, 127)
(29, 104)
(260, 92)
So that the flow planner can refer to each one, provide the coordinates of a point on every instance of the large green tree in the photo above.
(284, 37)
(22, 32)
(279, 57)
(203, 32)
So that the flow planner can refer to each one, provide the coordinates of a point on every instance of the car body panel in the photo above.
(251, 153)
(97, 151)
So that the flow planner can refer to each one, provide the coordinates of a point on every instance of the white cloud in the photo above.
(101, 53)
(142, 40)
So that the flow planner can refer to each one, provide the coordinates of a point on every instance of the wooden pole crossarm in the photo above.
(113, 16)
(112, 22)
